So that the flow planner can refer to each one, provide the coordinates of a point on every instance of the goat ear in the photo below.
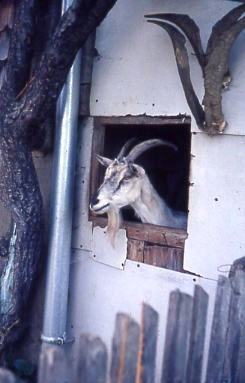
(137, 170)
(103, 160)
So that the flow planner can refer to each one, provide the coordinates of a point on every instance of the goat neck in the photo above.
(151, 208)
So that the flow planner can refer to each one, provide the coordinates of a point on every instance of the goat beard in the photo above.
(114, 221)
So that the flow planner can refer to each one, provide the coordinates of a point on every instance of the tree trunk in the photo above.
(20, 193)
(26, 99)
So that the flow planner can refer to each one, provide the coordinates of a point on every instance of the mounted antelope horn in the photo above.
(146, 145)
(182, 61)
(190, 29)
(218, 63)
(125, 148)
(218, 29)
(223, 25)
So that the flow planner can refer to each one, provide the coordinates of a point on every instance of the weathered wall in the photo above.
(100, 286)
(135, 73)
(102, 292)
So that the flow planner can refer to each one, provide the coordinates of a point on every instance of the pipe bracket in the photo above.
(59, 340)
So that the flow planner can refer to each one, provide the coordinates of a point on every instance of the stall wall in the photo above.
(135, 73)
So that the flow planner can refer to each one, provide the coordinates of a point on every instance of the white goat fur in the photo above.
(114, 221)
(151, 208)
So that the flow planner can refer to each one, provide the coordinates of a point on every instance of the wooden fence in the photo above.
(133, 353)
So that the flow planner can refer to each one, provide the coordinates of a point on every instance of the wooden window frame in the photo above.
(152, 244)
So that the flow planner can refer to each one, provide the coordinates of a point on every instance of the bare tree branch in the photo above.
(19, 189)
(21, 46)
(74, 28)
(47, 20)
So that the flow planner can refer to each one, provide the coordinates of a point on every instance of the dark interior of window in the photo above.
(168, 170)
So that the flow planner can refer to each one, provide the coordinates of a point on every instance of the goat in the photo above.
(126, 184)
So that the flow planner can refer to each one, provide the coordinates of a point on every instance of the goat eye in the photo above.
(126, 178)
(122, 181)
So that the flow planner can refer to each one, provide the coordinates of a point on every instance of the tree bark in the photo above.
(24, 105)
(21, 47)
(19, 190)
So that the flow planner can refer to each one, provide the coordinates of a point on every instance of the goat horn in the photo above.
(125, 148)
(190, 29)
(214, 73)
(103, 160)
(182, 61)
(146, 145)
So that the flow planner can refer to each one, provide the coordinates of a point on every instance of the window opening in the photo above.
(167, 170)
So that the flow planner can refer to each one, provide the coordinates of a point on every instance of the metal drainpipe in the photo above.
(59, 251)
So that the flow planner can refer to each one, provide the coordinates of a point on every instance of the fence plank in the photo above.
(92, 360)
(238, 284)
(220, 325)
(124, 350)
(238, 264)
(148, 345)
(197, 338)
(177, 338)
(231, 347)
(52, 365)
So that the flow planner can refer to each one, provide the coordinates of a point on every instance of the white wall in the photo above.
(136, 67)
(102, 292)
(100, 287)
(135, 73)
(216, 204)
